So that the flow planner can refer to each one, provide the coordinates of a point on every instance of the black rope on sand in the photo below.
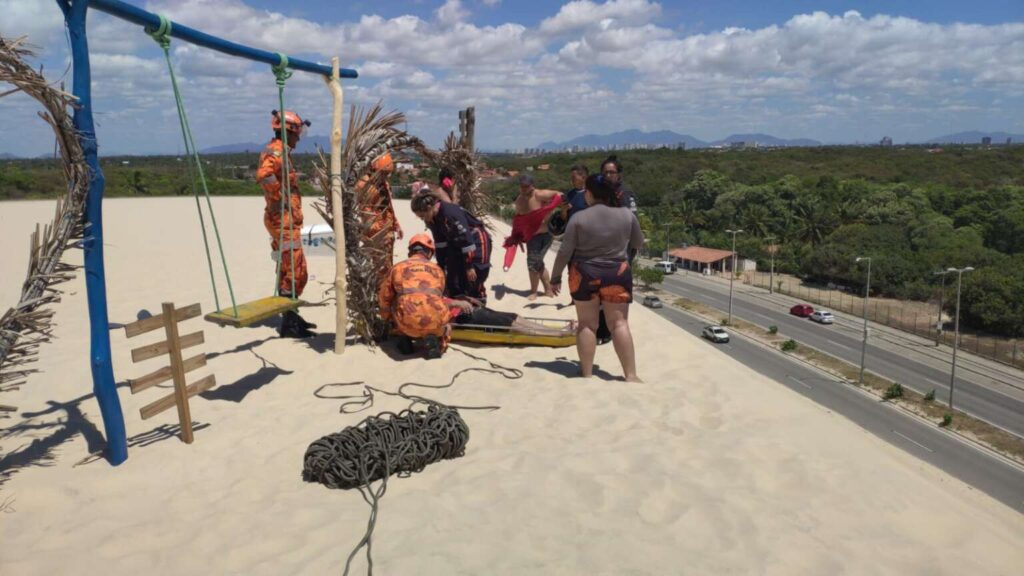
(389, 443)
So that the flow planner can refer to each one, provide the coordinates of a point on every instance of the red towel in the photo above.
(525, 227)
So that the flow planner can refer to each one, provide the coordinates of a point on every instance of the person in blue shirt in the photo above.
(573, 200)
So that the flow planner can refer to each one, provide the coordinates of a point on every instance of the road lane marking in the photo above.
(912, 441)
(840, 345)
(799, 381)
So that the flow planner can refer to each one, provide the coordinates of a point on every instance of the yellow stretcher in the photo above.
(501, 335)
(252, 312)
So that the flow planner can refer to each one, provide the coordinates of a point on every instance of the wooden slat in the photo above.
(156, 322)
(153, 350)
(154, 408)
(178, 374)
(164, 374)
(252, 312)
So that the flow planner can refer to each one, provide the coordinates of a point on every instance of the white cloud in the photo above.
(451, 13)
(582, 14)
(40, 20)
(551, 81)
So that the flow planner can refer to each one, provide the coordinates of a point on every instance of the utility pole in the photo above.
(732, 272)
(771, 250)
(942, 293)
(956, 329)
(864, 342)
(668, 246)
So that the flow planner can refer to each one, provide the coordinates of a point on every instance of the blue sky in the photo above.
(538, 71)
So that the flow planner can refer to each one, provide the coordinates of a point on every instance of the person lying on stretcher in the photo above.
(467, 312)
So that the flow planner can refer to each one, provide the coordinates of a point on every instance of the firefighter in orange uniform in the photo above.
(378, 210)
(284, 226)
(412, 298)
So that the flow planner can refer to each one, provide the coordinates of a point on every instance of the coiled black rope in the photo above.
(389, 443)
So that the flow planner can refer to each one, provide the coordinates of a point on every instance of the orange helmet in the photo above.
(383, 163)
(423, 240)
(292, 120)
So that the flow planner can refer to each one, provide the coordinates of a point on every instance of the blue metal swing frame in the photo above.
(75, 12)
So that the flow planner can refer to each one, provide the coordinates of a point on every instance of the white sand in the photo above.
(707, 468)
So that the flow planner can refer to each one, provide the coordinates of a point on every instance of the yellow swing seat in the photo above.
(495, 335)
(252, 312)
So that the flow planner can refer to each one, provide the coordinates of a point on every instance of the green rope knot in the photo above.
(281, 71)
(162, 34)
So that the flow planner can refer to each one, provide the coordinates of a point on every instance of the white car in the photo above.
(823, 317)
(715, 334)
(666, 267)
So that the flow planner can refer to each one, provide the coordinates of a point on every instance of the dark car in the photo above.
(802, 310)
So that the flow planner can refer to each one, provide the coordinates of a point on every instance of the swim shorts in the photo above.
(611, 282)
(536, 248)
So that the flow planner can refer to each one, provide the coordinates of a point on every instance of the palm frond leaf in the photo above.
(28, 324)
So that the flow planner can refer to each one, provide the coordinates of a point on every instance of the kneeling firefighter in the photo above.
(412, 298)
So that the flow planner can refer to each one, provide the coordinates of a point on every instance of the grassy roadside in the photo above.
(886, 390)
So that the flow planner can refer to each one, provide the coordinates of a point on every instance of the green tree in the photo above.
(649, 276)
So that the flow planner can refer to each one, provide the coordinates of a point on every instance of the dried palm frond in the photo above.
(28, 324)
(462, 162)
(370, 134)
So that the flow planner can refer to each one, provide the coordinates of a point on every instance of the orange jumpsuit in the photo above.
(412, 298)
(269, 175)
(376, 208)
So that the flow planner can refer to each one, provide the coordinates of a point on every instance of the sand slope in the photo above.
(708, 468)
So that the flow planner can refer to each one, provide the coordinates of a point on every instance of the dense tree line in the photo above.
(912, 211)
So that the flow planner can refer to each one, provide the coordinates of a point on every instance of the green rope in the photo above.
(162, 35)
(281, 73)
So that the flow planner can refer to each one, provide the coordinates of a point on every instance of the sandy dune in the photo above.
(708, 468)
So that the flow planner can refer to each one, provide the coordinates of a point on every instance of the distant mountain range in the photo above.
(669, 138)
(620, 140)
(306, 145)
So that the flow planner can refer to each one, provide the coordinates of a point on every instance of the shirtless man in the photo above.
(528, 200)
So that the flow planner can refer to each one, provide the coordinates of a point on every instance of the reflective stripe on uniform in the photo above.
(287, 245)
(431, 291)
(441, 245)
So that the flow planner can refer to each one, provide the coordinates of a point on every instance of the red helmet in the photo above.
(292, 120)
(423, 240)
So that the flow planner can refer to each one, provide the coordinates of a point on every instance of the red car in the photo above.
(801, 310)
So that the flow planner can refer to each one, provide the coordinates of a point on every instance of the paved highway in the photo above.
(991, 474)
(883, 358)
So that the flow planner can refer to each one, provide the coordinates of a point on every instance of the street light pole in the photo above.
(956, 329)
(667, 245)
(771, 276)
(732, 272)
(942, 293)
(864, 342)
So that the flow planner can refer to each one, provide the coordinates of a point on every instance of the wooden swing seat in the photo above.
(253, 312)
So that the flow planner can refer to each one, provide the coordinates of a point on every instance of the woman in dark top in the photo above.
(596, 247)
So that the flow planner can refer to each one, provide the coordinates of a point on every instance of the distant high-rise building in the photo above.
(886, 142)
(1009, 141)
(986, 141)
(681, 146)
